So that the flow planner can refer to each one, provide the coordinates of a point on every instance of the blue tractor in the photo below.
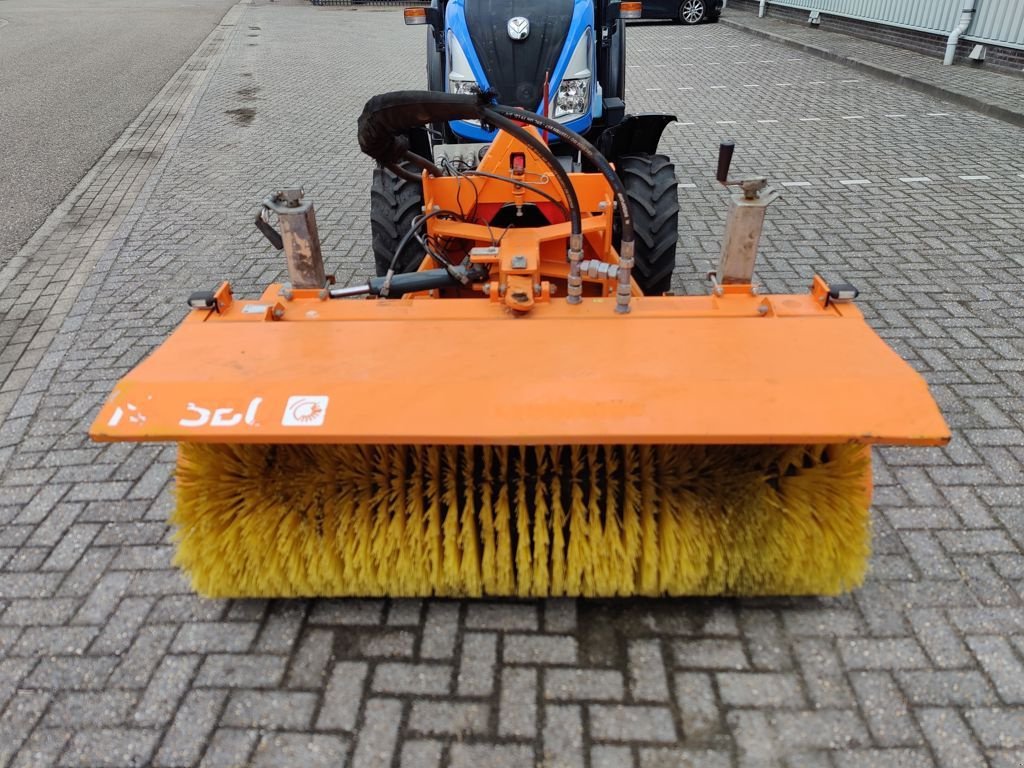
(565, 59)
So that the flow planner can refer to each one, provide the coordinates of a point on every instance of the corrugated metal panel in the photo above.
(1000, 22)
(935, 16)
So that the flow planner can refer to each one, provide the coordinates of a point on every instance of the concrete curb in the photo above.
(916, 84)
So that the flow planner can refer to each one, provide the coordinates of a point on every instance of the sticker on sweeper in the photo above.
(305, 411)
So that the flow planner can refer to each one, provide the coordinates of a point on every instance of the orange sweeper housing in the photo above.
(513, 416)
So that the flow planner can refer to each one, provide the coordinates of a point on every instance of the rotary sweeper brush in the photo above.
(513, 416)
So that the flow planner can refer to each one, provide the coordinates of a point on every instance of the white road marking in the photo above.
(685, 123)
(686, 88)
(688, 186)
(752, 85)
(781, 84)
(852, 117)
(810, 119)
(767, 121)
(794, 59)
(849, 81)
(652, 89)
(816, 82)
(938, 114)
(853, 182)
(895, 115)
(796, 183)
(913, 179)
(716, 87)
(725, 122)
(975, 178)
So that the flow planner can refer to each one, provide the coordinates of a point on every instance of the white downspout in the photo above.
(954, 37)
(760, 10)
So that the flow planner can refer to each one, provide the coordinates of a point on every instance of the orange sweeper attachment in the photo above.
(503, 411)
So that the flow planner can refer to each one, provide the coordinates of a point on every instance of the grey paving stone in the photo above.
(477, 664)
(375, 746)
(997, 727)
(946, 688)
(270, 709)
(358, 612)
(343, 697)
(949, 738)
(95, 748)
(449, 717)
(170, 681)
(647, 678)
(313, 750)
(668, 757)
(499, 756)
(421, 754)
(563, 736)
(1003, 667)
(709, 654)
(440, 631)
(760, 689)
(631, 723)
(605, 756)
(501, 616)
(210, 637)
(538, 649)
(195, 720)
(835, 729)
(236, 670)
(885, 758)
(517, 709)
(229, 747)
(699, 709)
(312, 656)
(84, 709)
(583, 684)
(885, 709)
(862, 653)
(395, 677)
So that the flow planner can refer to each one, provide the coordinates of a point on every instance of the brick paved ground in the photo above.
(107, 659)
(989, 91)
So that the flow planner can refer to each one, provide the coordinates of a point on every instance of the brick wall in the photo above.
(996, 57)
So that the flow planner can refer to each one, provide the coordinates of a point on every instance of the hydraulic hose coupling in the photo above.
(575, 292)
(624, 290)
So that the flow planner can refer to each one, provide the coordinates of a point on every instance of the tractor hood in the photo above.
(518, 43)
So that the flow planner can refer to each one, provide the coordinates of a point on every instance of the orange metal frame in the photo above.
(732, 367)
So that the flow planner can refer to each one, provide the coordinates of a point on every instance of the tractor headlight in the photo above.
(573, 95)
(460, 74)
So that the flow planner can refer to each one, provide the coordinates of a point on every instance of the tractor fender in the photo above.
(635, 135)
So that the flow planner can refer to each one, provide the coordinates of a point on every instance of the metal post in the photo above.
(297, 221)
(742, 236)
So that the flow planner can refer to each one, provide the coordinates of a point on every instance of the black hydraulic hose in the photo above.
(403, 173)
(627, 245)
(422, 162)
(587, 149)
(525, 185)
(498, 120)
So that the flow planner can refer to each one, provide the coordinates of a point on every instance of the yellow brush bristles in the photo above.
(312, 520)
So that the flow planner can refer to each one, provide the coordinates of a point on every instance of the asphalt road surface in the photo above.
(73, 75)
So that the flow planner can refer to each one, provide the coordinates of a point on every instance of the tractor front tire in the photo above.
(394, 203)
(650, 182)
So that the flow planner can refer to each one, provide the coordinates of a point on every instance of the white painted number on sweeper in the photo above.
(305, 411)
(221, 417)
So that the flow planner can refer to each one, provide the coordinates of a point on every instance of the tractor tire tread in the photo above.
(651, 184)
(394, 203)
